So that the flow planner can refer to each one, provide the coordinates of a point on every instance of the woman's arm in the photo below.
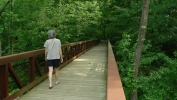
(46, 52)
(61, 56)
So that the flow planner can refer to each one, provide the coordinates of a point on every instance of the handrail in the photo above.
(36, 73)
(114, 84)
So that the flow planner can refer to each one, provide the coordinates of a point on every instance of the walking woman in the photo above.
(53, 56)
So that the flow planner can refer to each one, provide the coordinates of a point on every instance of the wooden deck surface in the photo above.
(82, 79)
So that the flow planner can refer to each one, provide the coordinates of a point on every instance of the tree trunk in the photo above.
(4, 35)
(11, 27)
(141, 38)
(5, 6)
(1, 10)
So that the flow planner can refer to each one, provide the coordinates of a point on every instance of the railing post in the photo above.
(71, 52)
(66, 54)
(84, 46)
(89, 43)
(4, 82)
(74, 51)
(31, 69)
(79, 48)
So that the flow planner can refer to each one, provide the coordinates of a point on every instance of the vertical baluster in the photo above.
(79, 48)
(66, 54)
(84, 45)
(4, 90)
(31, 69)
(76, 51)
(71, 52)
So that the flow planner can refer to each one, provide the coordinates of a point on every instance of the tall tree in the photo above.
(2, 9)
(140, 42)
(11, 26)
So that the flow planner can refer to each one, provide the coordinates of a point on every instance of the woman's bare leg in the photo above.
(56, 75)
(50, 75)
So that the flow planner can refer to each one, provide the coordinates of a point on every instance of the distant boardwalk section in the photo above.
(82, 79)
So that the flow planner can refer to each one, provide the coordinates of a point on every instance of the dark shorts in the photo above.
(54, 62)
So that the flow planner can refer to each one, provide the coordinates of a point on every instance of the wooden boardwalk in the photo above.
(82, 79)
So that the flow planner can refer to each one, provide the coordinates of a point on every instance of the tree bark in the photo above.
(4, 36)
(11, 27)
(1, 10)
(140, 42)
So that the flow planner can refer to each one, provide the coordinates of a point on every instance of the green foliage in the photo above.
(156, 72)
(122, 20)
(124, 56)
(25, 26)
(157, 81)
(157, 69)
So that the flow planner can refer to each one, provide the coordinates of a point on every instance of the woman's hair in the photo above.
(51, 34)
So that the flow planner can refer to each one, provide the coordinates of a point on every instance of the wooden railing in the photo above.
(21, 72)
(114, 85)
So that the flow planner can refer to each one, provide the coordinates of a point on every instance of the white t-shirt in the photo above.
(53, 47)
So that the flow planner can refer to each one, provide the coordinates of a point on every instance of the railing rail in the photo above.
(114, 84)
(31, 66)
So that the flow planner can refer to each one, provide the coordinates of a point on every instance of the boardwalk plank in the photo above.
(82, 79)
